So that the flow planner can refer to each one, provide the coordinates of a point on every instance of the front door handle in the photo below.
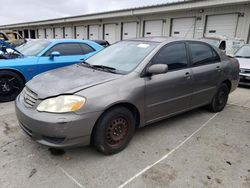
(218, 68)
(187, 76)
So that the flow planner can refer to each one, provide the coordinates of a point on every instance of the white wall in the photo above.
(199, 29)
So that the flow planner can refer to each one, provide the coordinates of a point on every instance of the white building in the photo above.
(186, 18)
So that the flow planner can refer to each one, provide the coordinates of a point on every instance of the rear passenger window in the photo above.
(66, 49)
(202, 54)
(86, 48)
(174, 55)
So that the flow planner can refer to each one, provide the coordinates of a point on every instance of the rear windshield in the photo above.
(213, 42)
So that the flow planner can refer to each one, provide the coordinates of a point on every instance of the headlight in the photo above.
(62, 104)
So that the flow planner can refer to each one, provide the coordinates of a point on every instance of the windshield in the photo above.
(33, 48)
(243, 52)
(123, 56)
(212, 42)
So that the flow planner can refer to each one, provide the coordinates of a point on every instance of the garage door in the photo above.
(110, 33)
(183, 27)
(129, 30)
(41, 33)
(59, 33)
(222, 24)
(153, 28)
(94, 32)
(49, 33)
(80, 32)
(68, 34)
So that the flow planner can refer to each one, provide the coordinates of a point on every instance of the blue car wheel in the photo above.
(11, 84)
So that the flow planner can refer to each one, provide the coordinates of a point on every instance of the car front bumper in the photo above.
(56, 130)
(244, 79)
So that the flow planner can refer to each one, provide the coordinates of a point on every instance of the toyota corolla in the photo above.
(128, 85)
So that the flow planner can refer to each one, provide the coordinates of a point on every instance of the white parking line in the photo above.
(167, 155)
(70, 177)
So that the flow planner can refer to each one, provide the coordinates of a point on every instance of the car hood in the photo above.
(68, 80)
(5, 44)
(244, 63)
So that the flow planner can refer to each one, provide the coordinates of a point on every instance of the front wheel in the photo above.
(220, 99)
(114, 130)
(11, 84)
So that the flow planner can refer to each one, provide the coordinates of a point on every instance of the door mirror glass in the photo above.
(157, 69)
(54, 54)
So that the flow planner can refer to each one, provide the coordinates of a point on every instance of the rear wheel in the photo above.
(11, 84)
(114, 130)
(220, 99)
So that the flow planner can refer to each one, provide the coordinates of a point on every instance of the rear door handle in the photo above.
(187, 75)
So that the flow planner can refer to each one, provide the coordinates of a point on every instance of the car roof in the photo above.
(163, 39)
(59, 40)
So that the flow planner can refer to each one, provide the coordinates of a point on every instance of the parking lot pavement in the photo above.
(196, 149)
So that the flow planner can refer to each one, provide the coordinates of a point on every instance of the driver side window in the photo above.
(174, 55)
(66, 49)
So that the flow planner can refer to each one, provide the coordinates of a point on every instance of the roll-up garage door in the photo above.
(49, 33)
(94, 32)
(59, 33)
(225, 24)
(79, 31)
(68, 33)
(153, 28)
(41, 33)
(129, 30)
(110, 33)
(183, 27)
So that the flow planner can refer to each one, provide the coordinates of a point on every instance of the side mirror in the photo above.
(54, 54)
(157, 69)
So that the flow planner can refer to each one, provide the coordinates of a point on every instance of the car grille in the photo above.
(245, 70)
(29, 97)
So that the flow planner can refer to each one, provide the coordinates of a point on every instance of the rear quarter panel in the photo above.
(231, 71)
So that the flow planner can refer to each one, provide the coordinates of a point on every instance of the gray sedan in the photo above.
(128, 85)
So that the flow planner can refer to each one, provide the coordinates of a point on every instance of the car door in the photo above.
(70, 53)
(170, 93)
(206, 70)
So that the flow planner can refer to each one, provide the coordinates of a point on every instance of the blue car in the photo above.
(21, 64)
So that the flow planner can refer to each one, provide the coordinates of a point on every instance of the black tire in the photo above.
(220, 99)
(11, 84)
(114, 130)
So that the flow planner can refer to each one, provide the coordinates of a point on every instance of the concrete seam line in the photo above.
(238, 105)
(167, 155)
(18, 159)
(71, 177)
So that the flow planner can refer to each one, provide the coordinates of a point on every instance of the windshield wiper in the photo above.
(242, 56)
(85, 64)
(105, 68)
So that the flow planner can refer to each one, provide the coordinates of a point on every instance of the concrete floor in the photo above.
(196, 149)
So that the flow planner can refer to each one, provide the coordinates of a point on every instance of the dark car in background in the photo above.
(128, 85)
(103, 43)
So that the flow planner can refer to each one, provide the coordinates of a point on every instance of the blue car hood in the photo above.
(68, 80)
(5, 44)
